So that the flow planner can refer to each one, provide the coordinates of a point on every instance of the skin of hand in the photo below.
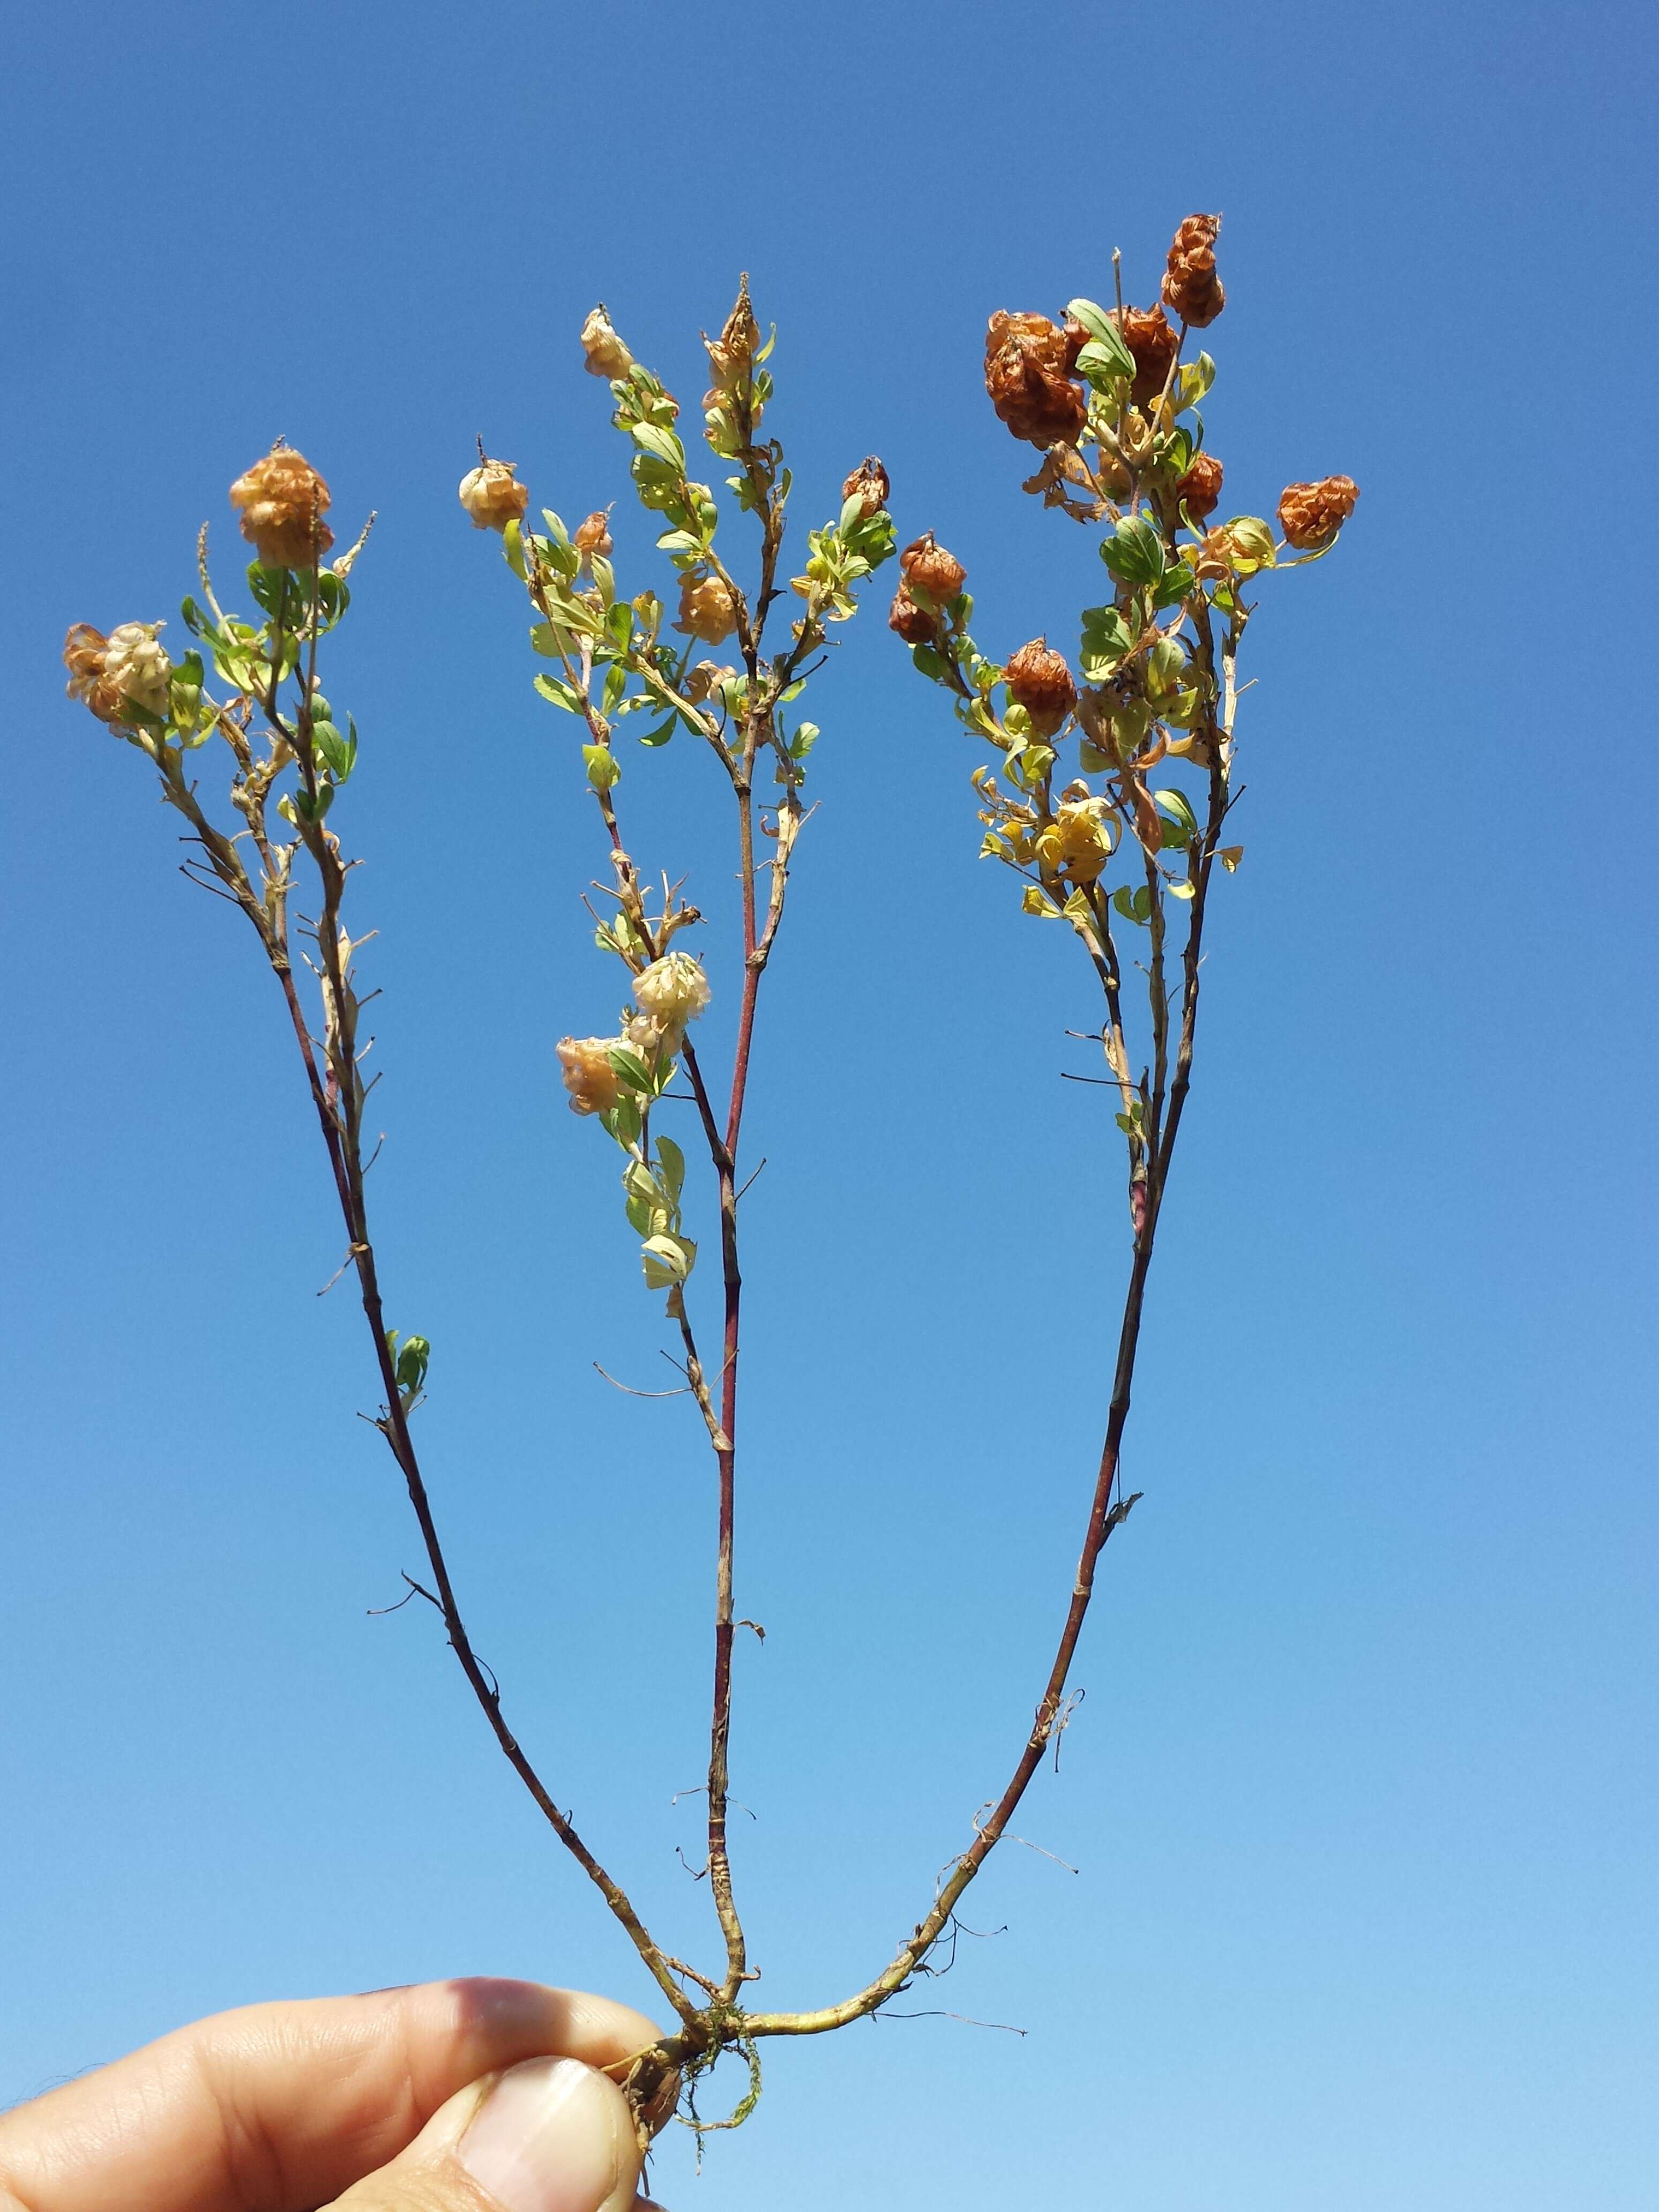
(461, 2096)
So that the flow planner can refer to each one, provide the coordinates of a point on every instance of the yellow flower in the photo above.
(673, 991)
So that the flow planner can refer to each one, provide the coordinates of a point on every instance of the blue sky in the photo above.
(1361, 1794)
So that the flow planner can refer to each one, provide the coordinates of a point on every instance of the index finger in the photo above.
(276, 2107)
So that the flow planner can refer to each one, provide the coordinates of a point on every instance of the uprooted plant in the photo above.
(1121, 841)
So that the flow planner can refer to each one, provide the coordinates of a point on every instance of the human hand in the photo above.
(464, 2096)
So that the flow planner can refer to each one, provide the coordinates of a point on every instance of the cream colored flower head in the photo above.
(136, 666)
(673, 990)
(606, 353)
(493, 496)
(593, 1083)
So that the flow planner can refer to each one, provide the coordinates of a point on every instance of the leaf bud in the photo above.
(282, 500)
(606, 354)
(1039, 680)
(708, 610)
(492, 497)
(1311, 514)
(1191, 290)
(927, 567)
(1200, 489)
(869, 485)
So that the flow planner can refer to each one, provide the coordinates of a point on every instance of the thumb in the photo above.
(550, 2136)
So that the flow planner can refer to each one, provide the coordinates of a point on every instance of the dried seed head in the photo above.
(1039, 680)
(591, 535)
(927, 567)
(586, 1073)
(282, 499)
(914, 623)
(1151, 339)
(868, 484)
(1191, 290)
(606, 354)
(492, 497)
(1028, 365)
(672, 991)
(1311, 514)
(1201, 487)
(706, 608)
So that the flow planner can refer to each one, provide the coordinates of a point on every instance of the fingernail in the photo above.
(544, 2139)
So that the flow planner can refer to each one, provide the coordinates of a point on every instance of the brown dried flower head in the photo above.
(282, 499)
(86, 651)
(914, 623)
(1191, 290)
(868, 483)
(928, 568)
(1039, 680)
(492, 495)
(731, 355)
(605, 353)
(1311, 514)
(1201, 487)
(593, 1083)
(591, 535)
(707, 608)
(1028, 369)
(1151, 337)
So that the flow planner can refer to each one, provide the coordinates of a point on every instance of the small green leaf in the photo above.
(1102, 332)
(512, 547)
(615, 683)
(554, 688)
(1134, 552)
(412, 1362)
(672, 1160)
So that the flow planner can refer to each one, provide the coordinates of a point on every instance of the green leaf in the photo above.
(615, 683)
(679, 541)
(1102, 366)
(619, 623)
(553, 688)
(929, 661)
(631, 1068)
(1134, 552)
(1181, 890)
(1102, 332)
(1106, 639)
(661, 445)
(1174, 585)
(672, 1162)
(512, 547)
(662, 733)
(1177, 803)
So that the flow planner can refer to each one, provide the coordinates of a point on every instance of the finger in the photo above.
(549, 2135)
(279, 2107)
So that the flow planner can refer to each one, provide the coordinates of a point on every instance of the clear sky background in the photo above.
(1362, 1795)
